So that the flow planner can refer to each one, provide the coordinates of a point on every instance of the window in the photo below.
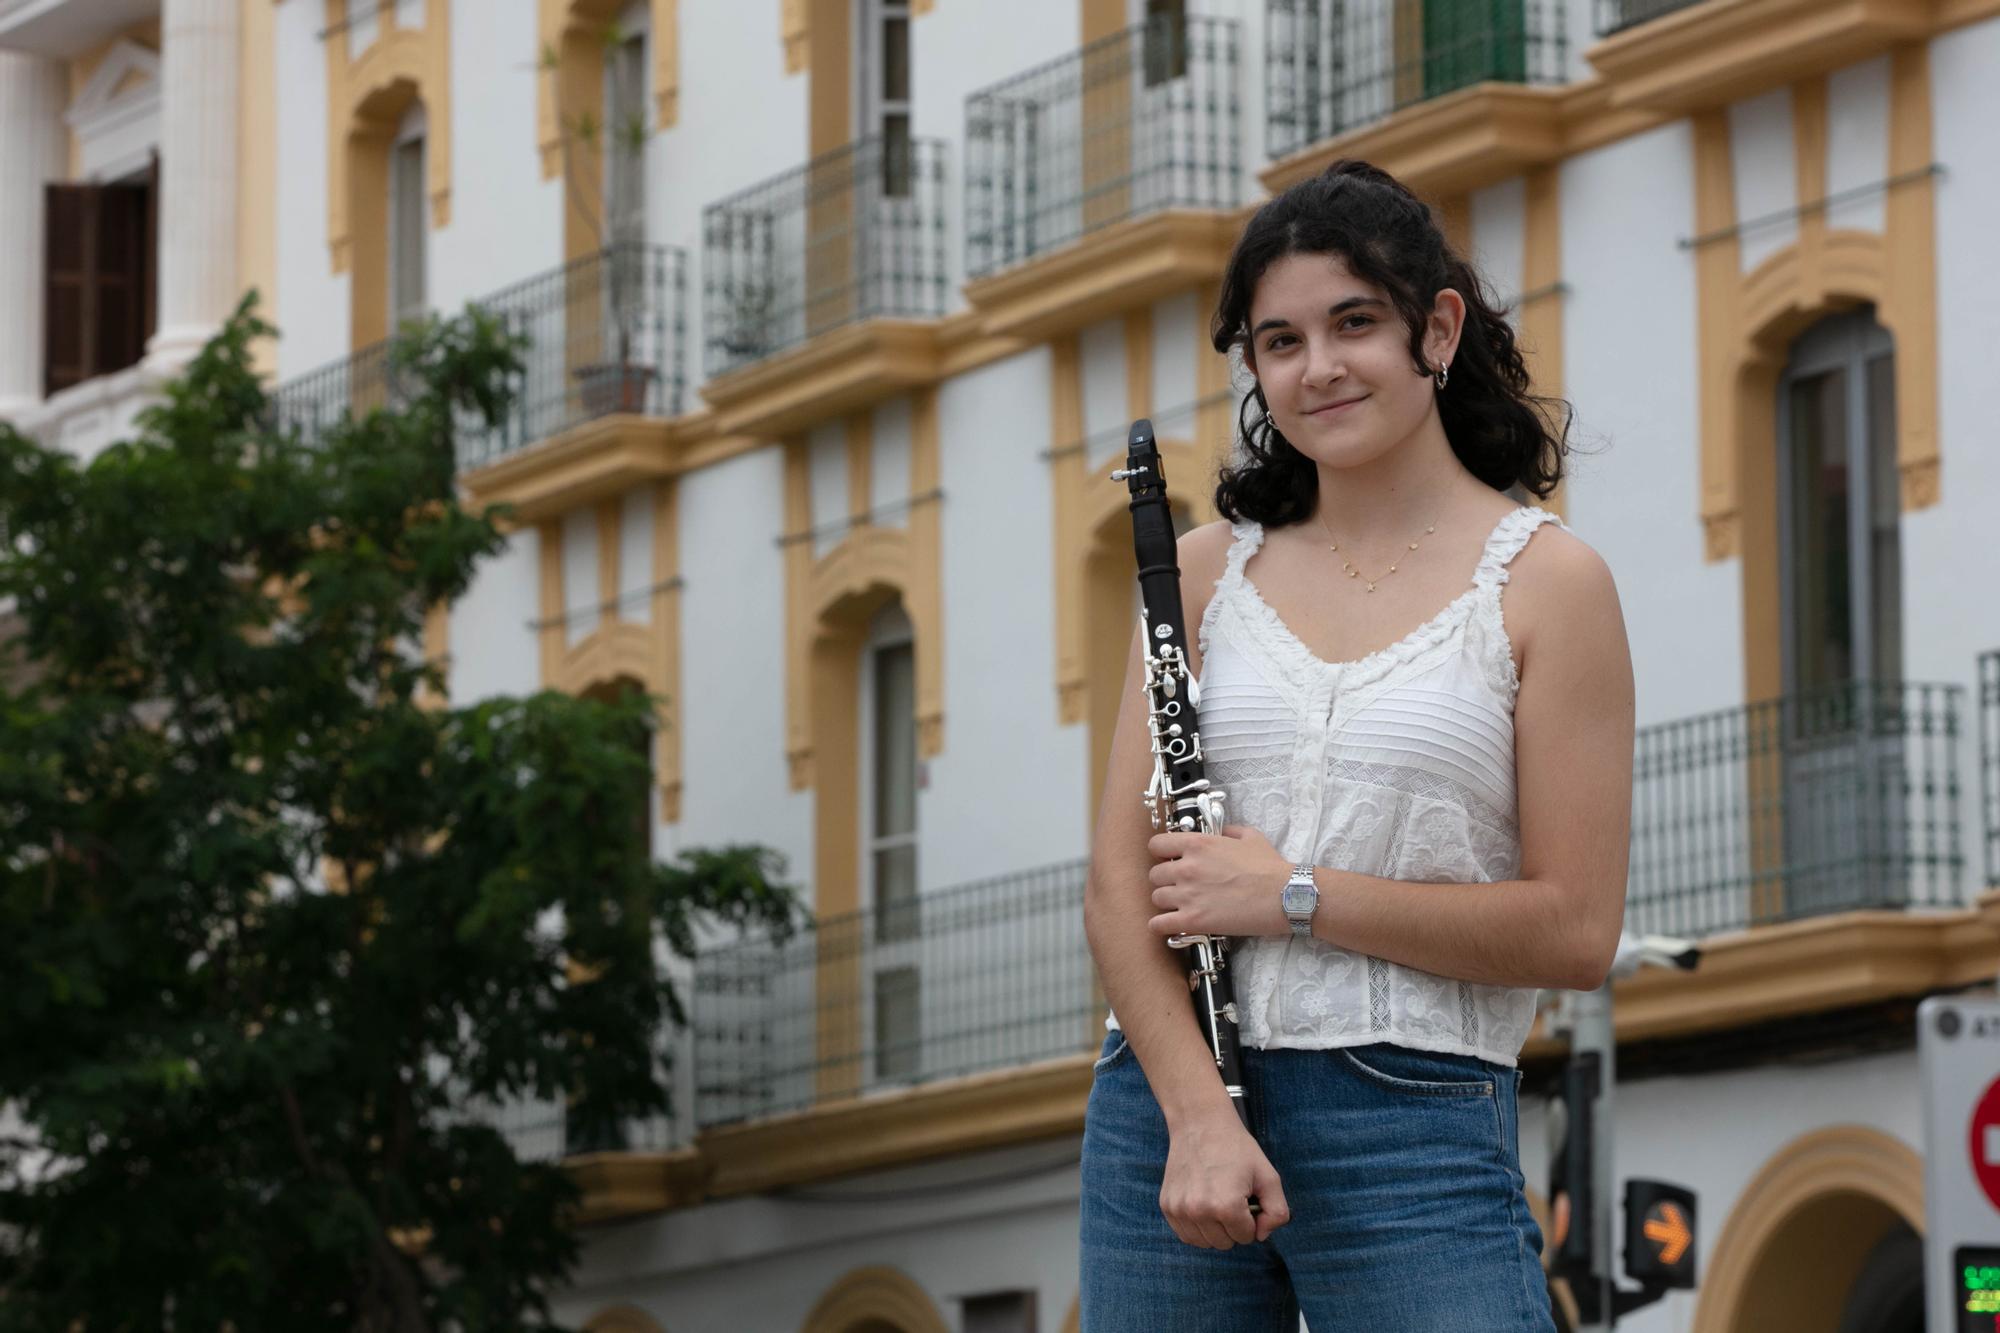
(1470, 41)
(406, 220)
(1840, 506)
(626, 132)
(1166, 40)
(891, 824)
(98, 277)
(883, 78)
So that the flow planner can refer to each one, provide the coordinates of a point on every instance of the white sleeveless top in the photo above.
(1398, 765)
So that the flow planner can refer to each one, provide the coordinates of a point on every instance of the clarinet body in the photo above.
(1180, 797)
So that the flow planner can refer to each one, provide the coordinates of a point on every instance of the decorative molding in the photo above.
(1709, 55)
(622, 1319)
(647, 652)
(1104, 273)
(1801, 967)
(1815, 1209)
(570, 28)
(366, 98)
(606, 456)
(116, 115)
(836, 372)
(793, 29)
(874, 1298)
(1447, 145)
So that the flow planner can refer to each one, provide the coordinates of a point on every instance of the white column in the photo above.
(199, 75)
(33, 92)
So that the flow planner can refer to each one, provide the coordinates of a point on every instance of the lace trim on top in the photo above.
(1480, 601)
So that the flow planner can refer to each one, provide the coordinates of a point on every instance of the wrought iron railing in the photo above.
(1840, 799)
(854, 234)
(1142, 120)
(987, 976)
(1989, 760)
(1618, 15)
(1334, 65)
(606, 333)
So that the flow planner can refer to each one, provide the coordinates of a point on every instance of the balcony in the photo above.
(822, 287)
(603, 370)
(1143, 120)
(1618, 15)
(983, 977)
(1331, 67)
(1989, 760)
(1446, 96)
(1840, 800)
(1105, 179)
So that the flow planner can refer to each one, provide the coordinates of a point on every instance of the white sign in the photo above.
(1958, 1054)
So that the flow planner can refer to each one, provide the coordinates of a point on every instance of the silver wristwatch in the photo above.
(1300, 899)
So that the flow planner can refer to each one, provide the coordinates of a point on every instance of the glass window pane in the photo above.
(895, 740)
(896, 60)
(896, 1030)
(1885, 521)
(1821, 628)
(896, 911)
(406, 204)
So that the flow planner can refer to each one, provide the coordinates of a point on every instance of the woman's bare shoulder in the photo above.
(1559, 580)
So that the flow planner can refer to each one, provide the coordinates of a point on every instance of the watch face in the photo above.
(1299, 898)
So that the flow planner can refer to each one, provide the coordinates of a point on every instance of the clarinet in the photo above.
(1180, 796)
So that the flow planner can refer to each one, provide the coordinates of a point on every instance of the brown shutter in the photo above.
(122, 273)
(70, 216)
(98, 308)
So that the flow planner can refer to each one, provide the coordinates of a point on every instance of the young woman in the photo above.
(1450, 772)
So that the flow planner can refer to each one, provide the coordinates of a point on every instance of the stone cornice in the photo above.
(833, 373)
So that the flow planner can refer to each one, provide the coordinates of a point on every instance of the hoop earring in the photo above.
(1268, 423)
(1444, 374)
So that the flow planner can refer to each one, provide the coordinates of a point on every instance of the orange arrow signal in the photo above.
(1671, 1230)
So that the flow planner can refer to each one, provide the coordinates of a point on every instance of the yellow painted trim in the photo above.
(1814, 1211)
(256, 169)
(918, 8)
(1454, 216)
(872, 1298)
(666, 629)
(839, 371)
(1709, 55)
(1801, 967)
(622, 1319)
(622, 1185)
(798, 620)
(570, 29)
(793, 29)
(1541, 315)
(990, 1110)
(829, 92)
(437, 649)
(606, 456)
(1910, 232)
(1099, 18)
(366, 97)
(1446, 145)
(550, 636)
(1105, 273)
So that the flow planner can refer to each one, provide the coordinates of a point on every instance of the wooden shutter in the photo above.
(98, 288)
(66, 307)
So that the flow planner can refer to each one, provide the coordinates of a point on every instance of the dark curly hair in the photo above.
(1502, 433)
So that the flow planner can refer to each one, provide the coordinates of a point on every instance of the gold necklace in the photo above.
(1352, 572)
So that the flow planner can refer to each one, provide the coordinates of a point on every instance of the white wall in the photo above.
(1629, 345)
(311, 310)
(1007, 793)
(1762, 162)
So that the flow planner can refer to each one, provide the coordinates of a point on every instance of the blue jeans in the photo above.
(1402, 1171)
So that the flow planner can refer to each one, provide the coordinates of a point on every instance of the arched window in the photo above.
(1846, 780)
(407, 232)
(1838, 506)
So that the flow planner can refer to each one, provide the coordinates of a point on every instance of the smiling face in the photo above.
(1332, 357)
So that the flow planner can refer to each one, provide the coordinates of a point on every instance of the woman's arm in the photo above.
(1556, 926)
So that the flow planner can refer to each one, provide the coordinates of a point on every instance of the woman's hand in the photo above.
(1218, 884)
(1214, 1168)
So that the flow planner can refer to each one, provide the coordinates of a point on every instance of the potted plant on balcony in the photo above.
(600, 156)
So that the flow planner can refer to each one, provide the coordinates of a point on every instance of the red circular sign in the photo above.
(1985, 1142)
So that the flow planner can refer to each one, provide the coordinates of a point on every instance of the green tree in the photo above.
(272, 918)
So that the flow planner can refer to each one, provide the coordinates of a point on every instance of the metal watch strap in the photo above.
(1303, 873)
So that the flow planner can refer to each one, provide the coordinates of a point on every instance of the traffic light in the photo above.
(1659, 1234)
(1572, 1196)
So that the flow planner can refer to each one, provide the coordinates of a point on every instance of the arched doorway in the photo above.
(1824, 1237)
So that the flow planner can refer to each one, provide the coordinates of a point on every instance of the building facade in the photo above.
(836, 313)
